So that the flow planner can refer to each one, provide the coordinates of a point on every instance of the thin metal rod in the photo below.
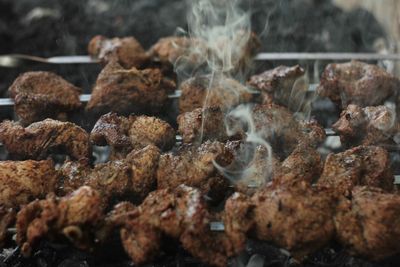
(326, 56)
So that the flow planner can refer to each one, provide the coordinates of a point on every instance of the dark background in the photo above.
(64, 27)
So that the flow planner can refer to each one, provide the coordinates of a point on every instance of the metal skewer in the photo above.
(15, 60)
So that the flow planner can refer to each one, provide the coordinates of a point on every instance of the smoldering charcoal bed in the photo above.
(203, 149)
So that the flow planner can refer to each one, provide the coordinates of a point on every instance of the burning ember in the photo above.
(237, 176)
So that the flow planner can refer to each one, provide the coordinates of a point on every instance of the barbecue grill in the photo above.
(257, 253)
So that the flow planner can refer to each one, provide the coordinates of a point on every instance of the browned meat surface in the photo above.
(276, 85)
(368, 126)
(295, 217)
(357, 83)
(201, 92)
(202, 124)
(126, 133)
(127, 91)
(73, 217)
(193, 166)
(277, 125)
(133, 176)
(7, 217)
(23, 181)
(363, 165)
(368, 224)
(41, 138)
(180, 214)
(126, 51)
(40, 95)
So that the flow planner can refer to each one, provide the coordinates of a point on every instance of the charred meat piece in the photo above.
(368, 224)
(368, 126)
(22, 181)
(126, 51)
(73, 217)
(126, 133)
(180, 214)
(205, 91)
(277, 125)
(363, 165)
(7, 217)
(194, 166)
(277, 85)
(357, 83)
(41, 138)
(203, 124)
(127, 91)
(133, 176)
(295, 217)
(40, 95)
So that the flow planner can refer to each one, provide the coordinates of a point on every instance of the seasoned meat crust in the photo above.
(194, 166)
(131, 177)
(126, 51)
(357, 83)
(180, 214)
(368, 126)
(127, 91)
(22, 181)
(40, 95)
(202, 92)
(362, 165)
(41, 138)
(126, 133)
(296, 217)
(73, 217)
(276, 85)
(368, 224)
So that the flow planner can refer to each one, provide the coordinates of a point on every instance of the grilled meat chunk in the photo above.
(73, 217)
(7, 217)
(126, 51)
(357, 83)
(180, 214)
(277, 85)
(202, 92)
(368, 224)
(362, 165)
(40, 95)
(133, 176)
(41, 138)
(295, 217)
(22, 181)
(194, 166)
(368, 126)
(203, 124)
(126, 133)
(127, 91)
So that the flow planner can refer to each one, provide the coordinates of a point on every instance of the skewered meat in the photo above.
(368, 223)
(134, 132)
(127, 178)
(41, 138)
(202, 124)
(276, 125)
(180, 214)
(73, 217)
(194, 166)
(127, 91)
(204, 91)
(363, 165)
(7, 217)
(295, 217)
(40, 95)
(22, 181)
(368, 126)
(357, 83)
(126, 51)
(276, 85)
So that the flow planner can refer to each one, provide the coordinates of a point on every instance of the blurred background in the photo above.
(64, 27)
